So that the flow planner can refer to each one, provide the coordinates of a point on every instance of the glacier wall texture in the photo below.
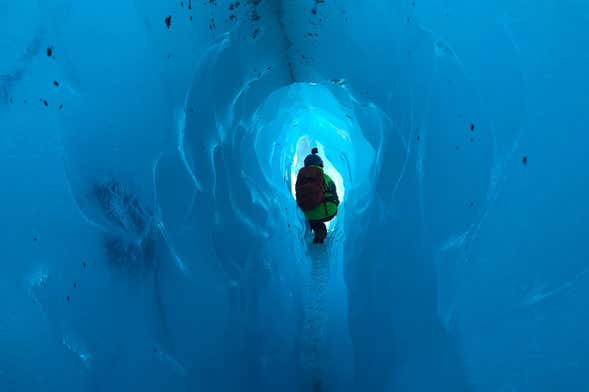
(150, 237)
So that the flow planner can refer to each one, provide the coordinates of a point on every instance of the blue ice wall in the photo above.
(151, 241)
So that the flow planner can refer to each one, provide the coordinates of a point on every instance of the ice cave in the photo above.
(151, 240)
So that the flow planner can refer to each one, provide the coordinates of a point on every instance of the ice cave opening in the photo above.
(151, 240)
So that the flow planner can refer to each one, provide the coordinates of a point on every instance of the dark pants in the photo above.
(320, 229)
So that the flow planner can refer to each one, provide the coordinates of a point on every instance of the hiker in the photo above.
(316, 195)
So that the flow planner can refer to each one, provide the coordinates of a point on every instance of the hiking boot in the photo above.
(319, 237)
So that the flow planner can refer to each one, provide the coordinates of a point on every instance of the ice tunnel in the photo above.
(150, 238)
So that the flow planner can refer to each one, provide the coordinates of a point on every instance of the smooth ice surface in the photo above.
(150, 240)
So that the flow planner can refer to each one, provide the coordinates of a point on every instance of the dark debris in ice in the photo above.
(255, 16)
(306, 59)
(120, 207)
(128, 256)
(525, 160)
(168, 21)
(133, 249)
(315, 18)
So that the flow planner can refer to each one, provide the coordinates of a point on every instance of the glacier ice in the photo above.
(151, 241)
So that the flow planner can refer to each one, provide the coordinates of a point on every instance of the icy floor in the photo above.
(151, 240)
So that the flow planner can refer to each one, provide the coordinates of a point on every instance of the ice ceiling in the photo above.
(151, 241)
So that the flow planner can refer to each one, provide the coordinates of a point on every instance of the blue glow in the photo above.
(151, 241)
